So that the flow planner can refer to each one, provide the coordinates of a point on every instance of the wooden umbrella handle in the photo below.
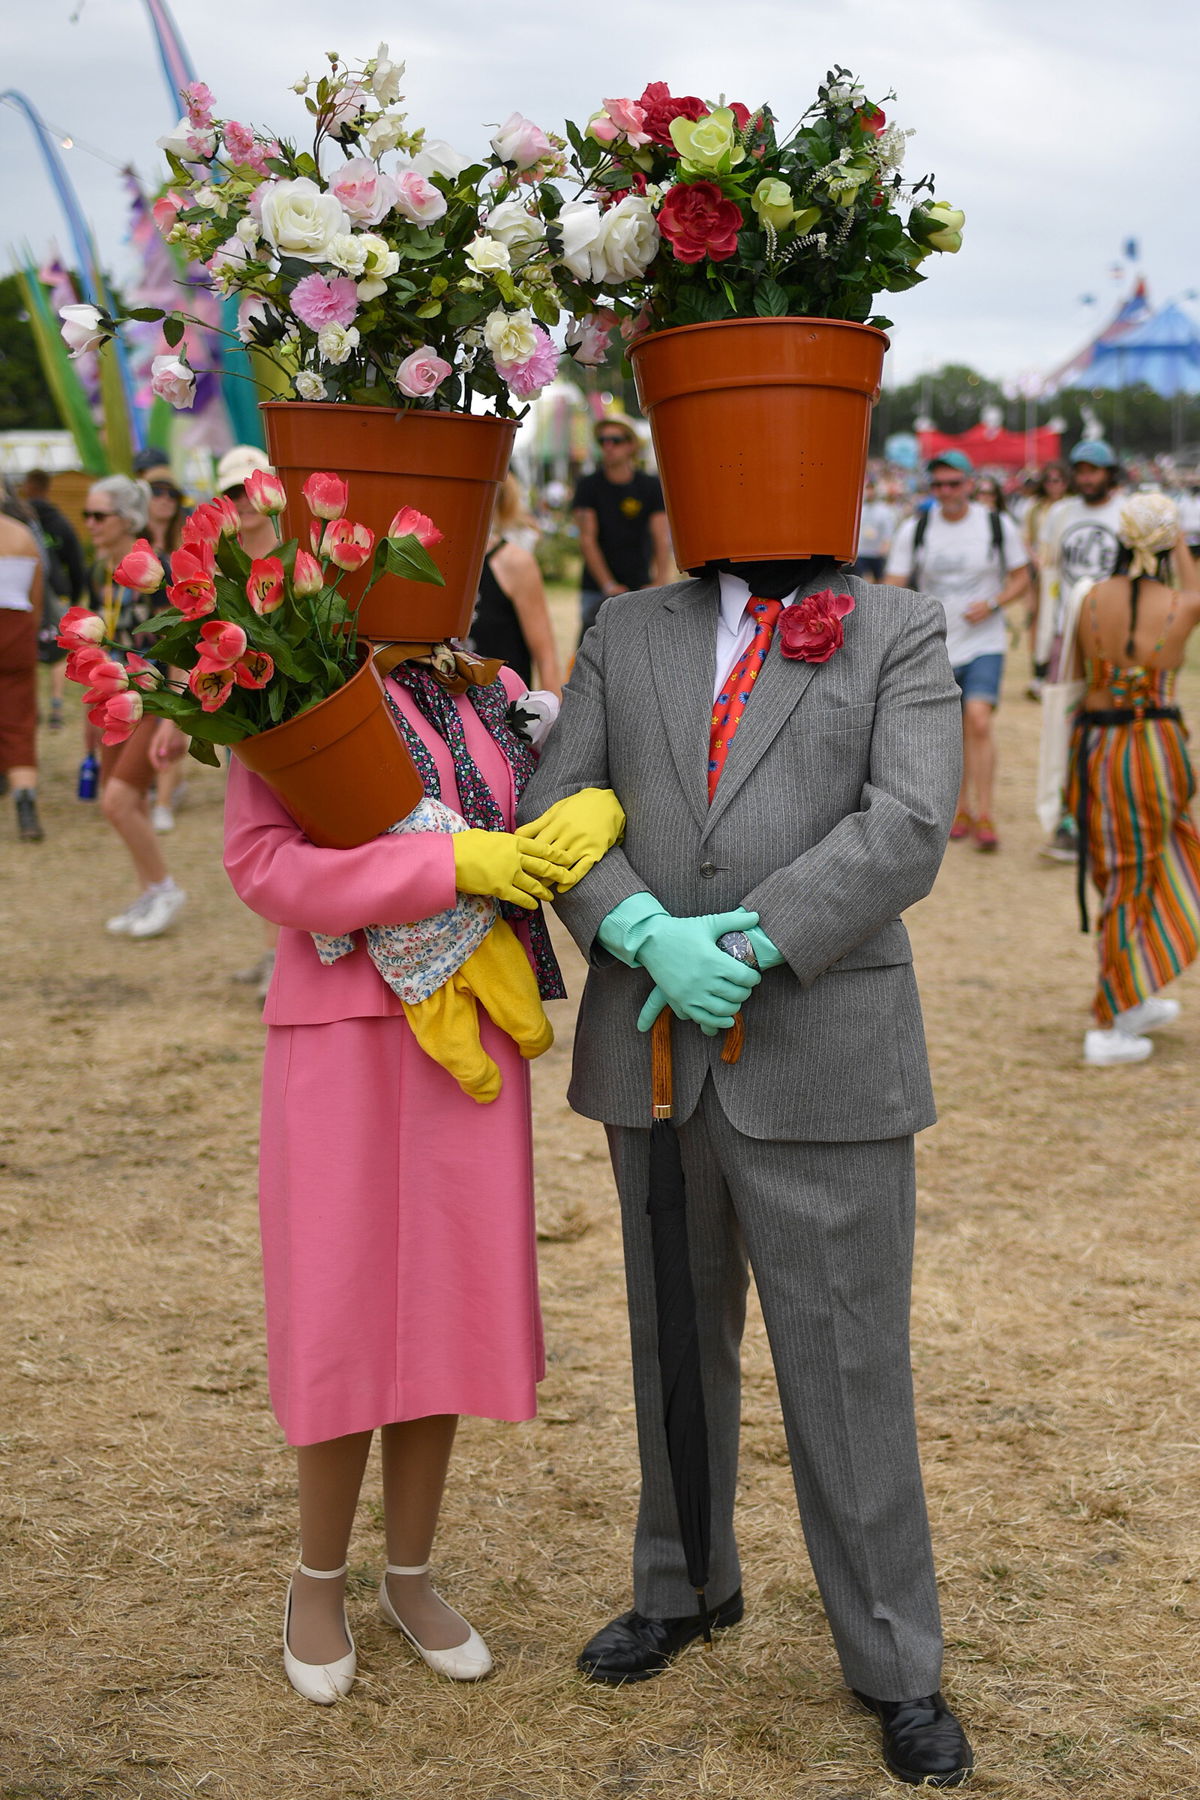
(735, 1037)
(660, 1065)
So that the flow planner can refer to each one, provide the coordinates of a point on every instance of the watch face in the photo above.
(737, 945)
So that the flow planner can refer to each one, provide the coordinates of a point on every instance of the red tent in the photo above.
(990, 446)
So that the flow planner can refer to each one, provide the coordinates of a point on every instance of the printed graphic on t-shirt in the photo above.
(631, 506)
(1089, 547)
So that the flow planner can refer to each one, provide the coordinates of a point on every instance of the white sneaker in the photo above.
(1104, 1049)
(122, 923)
(163, 904)
(162, 819)
(1147, 1016)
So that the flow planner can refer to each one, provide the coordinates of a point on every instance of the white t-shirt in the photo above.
(876, 528)
(1082, 539)
(958, 564)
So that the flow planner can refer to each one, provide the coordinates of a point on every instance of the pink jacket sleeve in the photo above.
(284, 878)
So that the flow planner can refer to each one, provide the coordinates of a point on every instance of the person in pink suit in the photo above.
(397, 1213)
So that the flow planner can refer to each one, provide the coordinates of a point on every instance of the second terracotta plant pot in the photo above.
(447, 465)
(760, 430)
(342, 769)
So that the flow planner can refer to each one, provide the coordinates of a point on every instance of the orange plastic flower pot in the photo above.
(760, 429)
(342, 769)
(447, 465)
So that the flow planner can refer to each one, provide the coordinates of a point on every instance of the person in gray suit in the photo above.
(828, 817)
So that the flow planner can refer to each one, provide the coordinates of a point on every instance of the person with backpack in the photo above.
(974, 561)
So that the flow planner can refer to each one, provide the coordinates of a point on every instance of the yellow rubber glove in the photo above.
(505, 865)
(446, 1025)
(578, 831)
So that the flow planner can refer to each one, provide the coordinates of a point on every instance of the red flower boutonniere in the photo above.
(811, 630)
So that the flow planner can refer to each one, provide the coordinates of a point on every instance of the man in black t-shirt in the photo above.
(621, 519)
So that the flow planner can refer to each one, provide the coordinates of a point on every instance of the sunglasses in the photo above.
(165, 490)
(947, 484)
(612, 437)
(88, 514)
(237, 492)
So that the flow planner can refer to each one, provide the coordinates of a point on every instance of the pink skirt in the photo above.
(399, 1252)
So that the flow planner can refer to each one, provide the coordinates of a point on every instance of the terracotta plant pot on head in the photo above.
(760, 430)
(342, 769)
(447, 465)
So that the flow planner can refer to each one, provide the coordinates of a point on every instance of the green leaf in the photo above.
(408, 558)
(770, 300)
(173, 330)
(204, 753)
(545, 308)
(147, 314)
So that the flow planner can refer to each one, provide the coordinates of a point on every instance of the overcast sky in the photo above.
(1062, 130)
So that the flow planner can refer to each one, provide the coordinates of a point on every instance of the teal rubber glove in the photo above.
(621, 931)
(769, 955)
(691, 975)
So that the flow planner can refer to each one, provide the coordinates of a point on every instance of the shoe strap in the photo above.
(322, 1574)
(401, 1569)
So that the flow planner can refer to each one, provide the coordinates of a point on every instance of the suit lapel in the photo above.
(682, 638)
(778, 691)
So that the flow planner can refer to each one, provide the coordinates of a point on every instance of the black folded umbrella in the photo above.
(678, 1336)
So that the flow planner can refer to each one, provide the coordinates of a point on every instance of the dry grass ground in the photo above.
(146, 1509)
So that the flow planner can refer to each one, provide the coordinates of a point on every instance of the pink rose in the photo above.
(264, 588)
(82, 328)
(308, 577)
(346, 544)
(417, 198)
(171, 380)
(587, 338)
(318, 302)
(521, 143)
(253, 670)
(220, 643)
(811, 629)
(408, 522)
(420, 373)
(327, 495)
(364, 191)
(166, 210)
(629, 118)
(140, 569)
(211, 685)
(80, 629)
(265, 492)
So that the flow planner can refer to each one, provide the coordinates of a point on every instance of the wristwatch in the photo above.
(738, 945)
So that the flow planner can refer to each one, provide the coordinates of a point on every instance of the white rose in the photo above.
(384, 133)
(510, 337)
(310, 386)
(176, 143)
(386, 77)
(247, 230)
(81, 328)
(212, 198)
(298, 219)
(580, 223)
(510, 224)
(629, 239)
(335, 342)
(348, 253)
(381, 262)
(437, 157)
(485, 255)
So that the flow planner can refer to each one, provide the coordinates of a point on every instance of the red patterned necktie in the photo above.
(730, 703)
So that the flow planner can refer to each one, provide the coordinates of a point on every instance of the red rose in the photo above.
(811, 630)
(741, 113)
(661, 106)
(873, 119)
(699, 221)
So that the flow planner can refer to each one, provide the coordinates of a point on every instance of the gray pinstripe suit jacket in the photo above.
(831, 817)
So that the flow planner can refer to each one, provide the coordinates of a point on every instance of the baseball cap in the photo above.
(1095, 451)
(150, 458)
(952, 459)
(237, 463)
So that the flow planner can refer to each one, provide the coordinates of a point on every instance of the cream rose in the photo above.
(510, 337)
(310, 386)
(382, 262)
(298, 219)
(336, 342)
(348, 253)
(518, 230)
(486, 255)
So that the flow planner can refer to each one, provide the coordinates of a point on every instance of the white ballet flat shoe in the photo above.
(1148, 1015)
(470, 1661)
(322, 1683)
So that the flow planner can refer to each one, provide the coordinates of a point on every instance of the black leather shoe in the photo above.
(633, 1647)
(923, 1742)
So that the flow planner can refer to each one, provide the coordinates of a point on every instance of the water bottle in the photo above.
(89, 777)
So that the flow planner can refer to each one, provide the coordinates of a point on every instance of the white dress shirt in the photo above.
(735, 628)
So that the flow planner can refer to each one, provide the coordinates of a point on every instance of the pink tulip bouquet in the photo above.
(253, 641)
(694, 211)
(377, 266)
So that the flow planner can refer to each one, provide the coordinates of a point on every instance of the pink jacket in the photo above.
(391, 880)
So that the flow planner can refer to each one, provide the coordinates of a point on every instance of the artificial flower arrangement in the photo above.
(698, 212)
(377, 267)
(258, 640)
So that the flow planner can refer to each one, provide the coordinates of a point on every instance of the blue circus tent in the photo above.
(1162, 353)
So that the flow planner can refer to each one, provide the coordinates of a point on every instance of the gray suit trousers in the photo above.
(828, 1231)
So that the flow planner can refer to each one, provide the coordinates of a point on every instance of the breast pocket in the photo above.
(825, 720)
